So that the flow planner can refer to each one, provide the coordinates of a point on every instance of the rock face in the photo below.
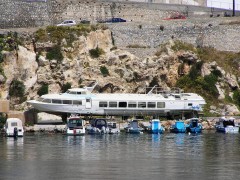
(115, 70)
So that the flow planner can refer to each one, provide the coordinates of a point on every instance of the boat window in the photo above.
(75, 122)
(160, 104)
(14, 124)
(72, 92)
(47, 100)
(189, 104)
(142, 104)
(112, 104)
(75, 102)
(67, 101)
(40, 99)
(68, 92)
(132, 104)
(56, 101)
(79, 92)
(177, 96)
(122, 104)
(103, 104)
(151, 104)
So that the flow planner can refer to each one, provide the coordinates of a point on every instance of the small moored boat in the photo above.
(75, 126)
(14, 127)
(113, 129)
(178, 127)
(194, 126)
(133, 127)
(98, 126)
(225, 125)
(155, 127)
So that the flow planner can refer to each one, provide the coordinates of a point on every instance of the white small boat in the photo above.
(75, 126)
(14, 127)
(225, 125)
(113, 129)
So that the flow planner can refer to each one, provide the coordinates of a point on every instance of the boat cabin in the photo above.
(14, 127)
(224, 122)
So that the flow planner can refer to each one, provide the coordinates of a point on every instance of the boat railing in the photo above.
(162, 91)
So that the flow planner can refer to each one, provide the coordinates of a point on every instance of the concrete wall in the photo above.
(34, 13)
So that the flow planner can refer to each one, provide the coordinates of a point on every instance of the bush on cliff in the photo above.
(104, 71)
(193, 81)
(56, 34)
(1, 57)
(95, 53)
(43, 90)
(55, 53)
(179, 45)
(9, 42)
(16, 89)
(65, 87)
(236, 97)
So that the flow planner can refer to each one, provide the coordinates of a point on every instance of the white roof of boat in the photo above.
(120, 96)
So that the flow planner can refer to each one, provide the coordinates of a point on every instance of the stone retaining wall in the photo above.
(34, 13)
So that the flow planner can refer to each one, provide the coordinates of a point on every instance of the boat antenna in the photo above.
(150, 92)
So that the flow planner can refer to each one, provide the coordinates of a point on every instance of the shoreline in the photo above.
(207, 124)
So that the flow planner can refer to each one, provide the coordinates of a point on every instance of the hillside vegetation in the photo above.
(54, 59)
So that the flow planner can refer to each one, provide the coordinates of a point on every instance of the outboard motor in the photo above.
(15, 132)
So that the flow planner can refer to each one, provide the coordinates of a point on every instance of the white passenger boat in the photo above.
(84, 102)
(225, 125)
(75, 126)
(13, 127)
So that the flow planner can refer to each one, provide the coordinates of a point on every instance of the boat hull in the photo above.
(75, 132)
(228, 129)
(176, 130)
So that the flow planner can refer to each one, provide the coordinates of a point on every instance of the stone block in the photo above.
(4, 106)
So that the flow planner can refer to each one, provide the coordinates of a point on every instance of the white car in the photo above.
(67, 23)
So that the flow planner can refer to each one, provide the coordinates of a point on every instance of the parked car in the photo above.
(85, 22)
(112, 20)
(67, 23)
(115, 20)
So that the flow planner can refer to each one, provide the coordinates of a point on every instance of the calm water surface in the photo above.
(168, 156)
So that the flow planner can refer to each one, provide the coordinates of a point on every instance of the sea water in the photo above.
(40, 156)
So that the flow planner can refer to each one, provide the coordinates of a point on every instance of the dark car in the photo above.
(116, 20)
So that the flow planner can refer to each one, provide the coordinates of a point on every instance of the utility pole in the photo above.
(233, 14)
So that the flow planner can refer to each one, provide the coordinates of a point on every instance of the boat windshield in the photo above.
(75, 122)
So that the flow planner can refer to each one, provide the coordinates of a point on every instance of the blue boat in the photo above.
(178, 127)
(133, 127)
(194, 126)
(155, 127)
(225, 125)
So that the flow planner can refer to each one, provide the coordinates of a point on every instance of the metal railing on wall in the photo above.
(223, 5)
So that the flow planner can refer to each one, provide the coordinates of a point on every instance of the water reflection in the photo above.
(123, 156)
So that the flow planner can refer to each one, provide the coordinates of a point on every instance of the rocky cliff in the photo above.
(54, 58)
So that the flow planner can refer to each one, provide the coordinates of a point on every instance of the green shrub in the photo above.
(16, 89)
(179, 45)
(161, 27)
(55, 53)
(1, 57)
(41, 35)
(95, 53)
(43, 90)
(236, 97)
(65, 87)
(104, 71)
(3, 119)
